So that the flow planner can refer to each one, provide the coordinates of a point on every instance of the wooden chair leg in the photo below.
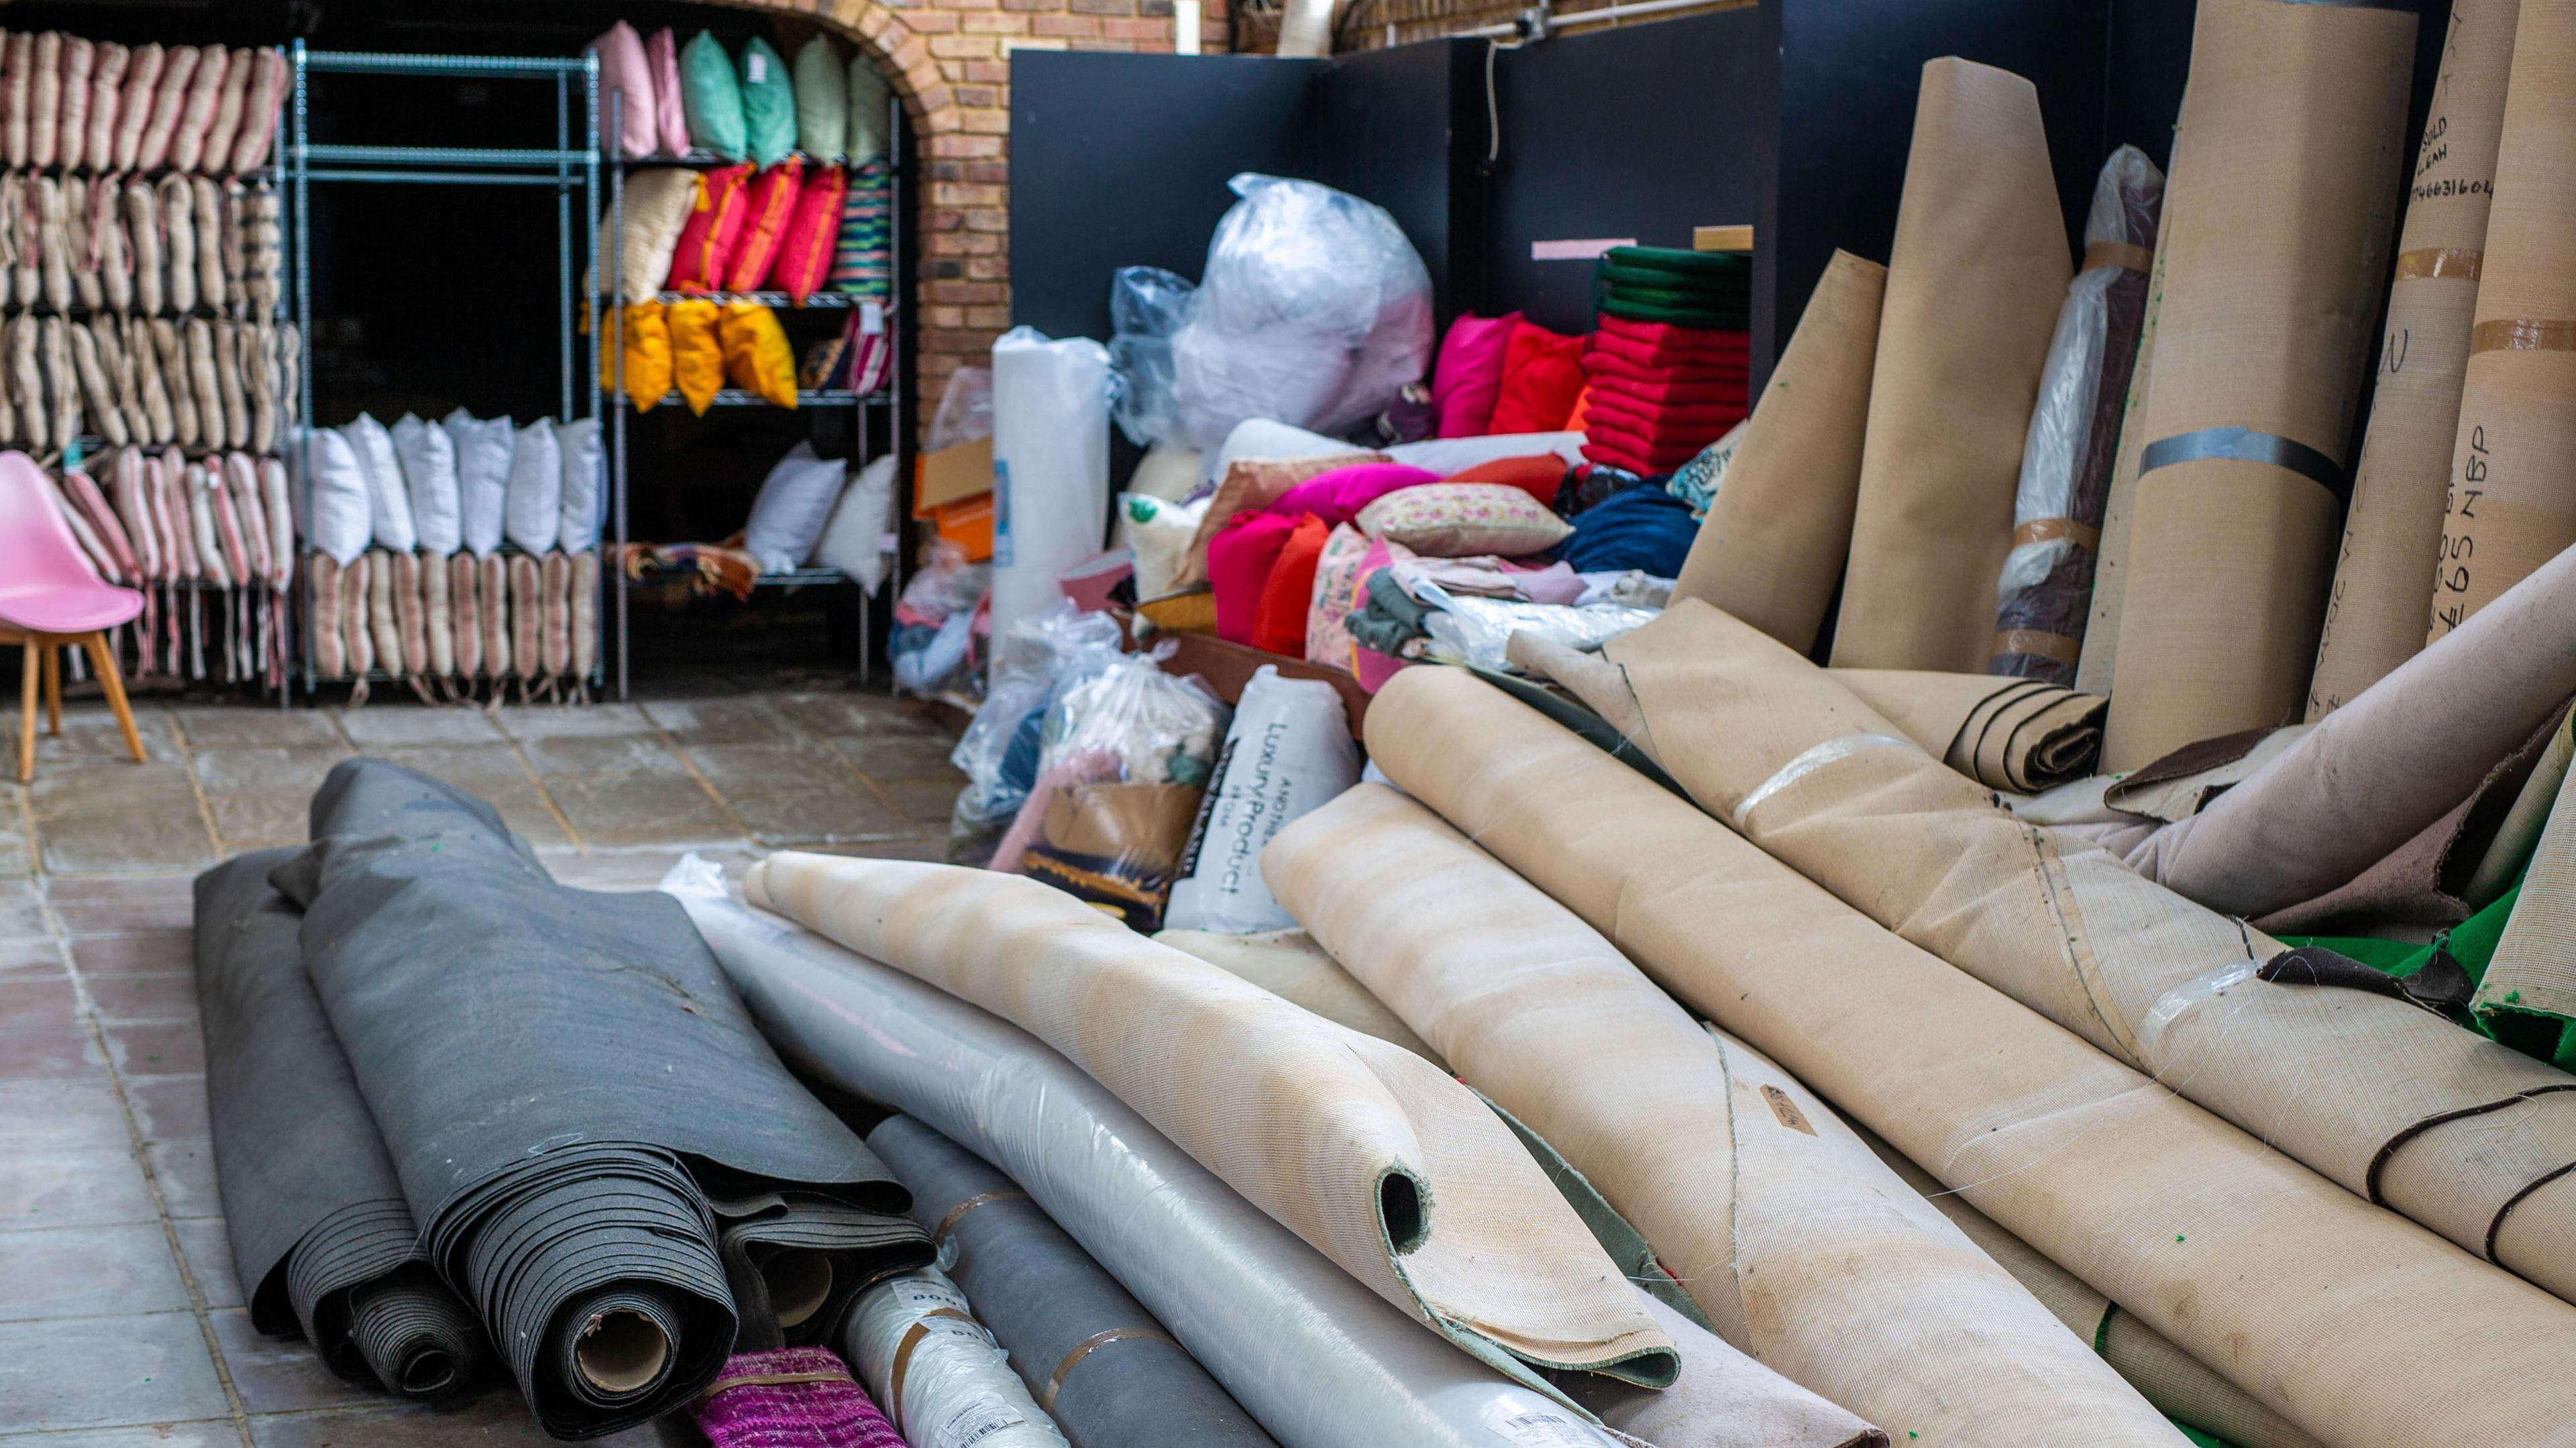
(33, 675)
(102, 661)
(53, 686)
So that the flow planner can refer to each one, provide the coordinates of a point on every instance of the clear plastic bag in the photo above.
(1163, 728)
(1479, 631)
(1313, 310)
(965, 410)
(1146, 304)
(932, 641)
(1033, 661)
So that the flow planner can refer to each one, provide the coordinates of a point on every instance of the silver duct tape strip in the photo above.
(2244, 444)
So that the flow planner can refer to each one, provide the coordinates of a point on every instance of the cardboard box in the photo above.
(951, 475)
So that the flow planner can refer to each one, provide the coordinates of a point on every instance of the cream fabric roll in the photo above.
(1290, 965)
(2022, 735)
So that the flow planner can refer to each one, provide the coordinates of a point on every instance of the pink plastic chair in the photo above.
(50, 600)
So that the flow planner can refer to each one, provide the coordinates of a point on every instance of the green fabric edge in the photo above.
(1626, 1245)
(2543, 1035)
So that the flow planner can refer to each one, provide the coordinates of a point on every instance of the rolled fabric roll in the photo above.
(551, 1140)
(1974, 279)
(2511, 505)
(1772, 547)
(2285, 170)
(2022, 735)
(1093, 1358)
(1803, 1249)
(1319, 1359)
(2528, 994)
(2382, 592)
(942, 1378)
(2088, 1161)
(2394, 1103)
(320, 1236)
(1379, 1160)
(1290, 965)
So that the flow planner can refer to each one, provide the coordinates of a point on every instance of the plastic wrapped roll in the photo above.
(1772, 547)
(2512, 500)
(942, 1378)
(2284, 182)
(2376, 609)
(2046, 588)
(1320, 1360)
(1050, 466)
(320, 1235)
(1093, 1359)
(2072, 1152)
(1386, 1165)
(550, 1139)
(1974, 279)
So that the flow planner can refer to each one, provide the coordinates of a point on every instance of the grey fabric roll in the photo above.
(561, 1079)
(1093, 1357)
(321, 1238)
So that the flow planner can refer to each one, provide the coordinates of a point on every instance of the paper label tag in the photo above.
(1001, 513)
(755, 68)
(1787, 1110)
(871, 319)
(974, 1421)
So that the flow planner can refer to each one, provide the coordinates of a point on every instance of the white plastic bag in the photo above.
(338, 521)
(388, 501)
(932, 641)
(1146, 305)
(484, 448)
(1288, 751)
(1050, 466)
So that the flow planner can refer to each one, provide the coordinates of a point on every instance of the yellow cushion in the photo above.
(755, 353)
(697, 357)
(645, 334)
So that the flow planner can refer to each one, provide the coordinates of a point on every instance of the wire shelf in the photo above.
(770, 299)
(736, 397)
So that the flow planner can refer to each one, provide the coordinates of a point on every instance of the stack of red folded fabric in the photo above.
(1659, 393)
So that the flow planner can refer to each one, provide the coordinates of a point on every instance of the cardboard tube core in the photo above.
(622, 1351)
(798, 1281)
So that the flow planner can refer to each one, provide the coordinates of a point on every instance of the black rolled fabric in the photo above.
(560, 1077)
(1093, 1357)
(797, 1260)
(320, 1234)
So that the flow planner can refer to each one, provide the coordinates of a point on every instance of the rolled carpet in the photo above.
(1803, 1249)
(1319, 1359)
(2285, 169)
(944, 1381)
(2398, 1105)
(1772, 547)
(2244, 1258)
(2100, 657)
(1093, 1358)
(1974, 278)
(321, 1238)
(1290, 965)
(2023, 735)
(1365, 1150)
(562, 1079)
(2376, 610)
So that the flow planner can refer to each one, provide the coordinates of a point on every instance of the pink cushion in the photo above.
(1469, 374)
(623, 69)
(1338, 496)
(1240, 558)
(671, 116)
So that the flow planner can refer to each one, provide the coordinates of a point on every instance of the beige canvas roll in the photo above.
(2307, 1297)
(2512, 499)
(1290, 965)
(2376, 609)
(2283, 190)
(1365, 1150)
(2100, 659)
(1974, 278)
(2023, 735)
(1803, 1249)
(2533, 971)
(1772, 547)
(2395, 1103)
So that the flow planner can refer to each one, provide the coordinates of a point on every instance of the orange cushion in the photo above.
(1542, 378)
(715, 224)
(772, 205)
(1539, 476)
(1279, 623)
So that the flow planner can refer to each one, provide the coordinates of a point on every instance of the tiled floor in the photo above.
(120, 1322)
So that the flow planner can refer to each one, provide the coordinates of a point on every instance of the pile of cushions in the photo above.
(676, 100)
(732, 228)
(1504, 375)
(80, 105)
(1668, 368)
(695, 346)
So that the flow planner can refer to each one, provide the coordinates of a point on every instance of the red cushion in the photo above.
(715, 224)
(1469, 374)
(805, 253)
(1279, 622)
(772, 205)
(1542, 375)
(1240, 558)
(1538, 476)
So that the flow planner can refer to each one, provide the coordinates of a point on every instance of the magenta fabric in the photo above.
(1469, 375)
(1338, 496)
(46, 583)
(834, 1414)
(1240, 558)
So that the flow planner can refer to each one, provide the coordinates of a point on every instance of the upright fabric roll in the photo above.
(550, 1069)
(2022, 735)
(1093, 1358)
(1319, 1359)
(2512, 499)
(1772, 547)
(1050, 466)
(2382, 588)
(2395, 1103)
(2529, 989)
(1974, 279)
(2088, 1161)
(2100, 657)
(321, 1238)
(2284, 178)
(1362, 1148)
(1290, 965)
(1803, 1249)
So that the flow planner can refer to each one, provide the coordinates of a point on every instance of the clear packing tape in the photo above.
(943, 1380)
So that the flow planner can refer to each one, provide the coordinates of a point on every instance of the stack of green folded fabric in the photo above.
(1709, 289)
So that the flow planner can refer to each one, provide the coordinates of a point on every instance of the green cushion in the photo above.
(871, 104)
(712, 99)
(822, 100)
(768, 103)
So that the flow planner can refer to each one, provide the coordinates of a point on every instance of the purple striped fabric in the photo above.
(746, 1412)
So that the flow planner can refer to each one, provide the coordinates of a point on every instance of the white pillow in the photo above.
(855, 540)
(389, 506)
(582, 482)
(533, 507)
(658, 203)
(795, 502)
(483, 450)
(428, 458)
(337, 520)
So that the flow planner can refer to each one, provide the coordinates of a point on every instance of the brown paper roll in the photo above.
(1979, 266)
(2381, 591)
(1773, 546)
(2093, 668)
(2512, 500)
(2284, 181)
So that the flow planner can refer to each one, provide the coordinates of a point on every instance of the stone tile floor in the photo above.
(120, 1322)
